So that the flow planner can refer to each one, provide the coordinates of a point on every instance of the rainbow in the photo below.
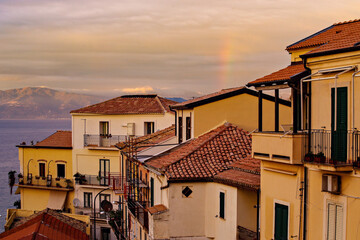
(226, 57)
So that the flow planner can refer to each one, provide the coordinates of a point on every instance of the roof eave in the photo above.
(324, 53)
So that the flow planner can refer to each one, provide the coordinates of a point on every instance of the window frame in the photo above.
(88, 198)
(146, 128)
(57, 170)
(40, 169)
(222, 207)
(188, 128)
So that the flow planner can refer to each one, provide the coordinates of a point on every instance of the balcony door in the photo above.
(104, 172)
(339, 134)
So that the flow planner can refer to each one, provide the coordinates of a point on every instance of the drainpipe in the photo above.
(175, 119)
(305, 201)
(257, 215)
(353, 98)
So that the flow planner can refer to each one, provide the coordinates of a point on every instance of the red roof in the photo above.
(48, 225)
(338, 36)
(210, 97)
(130, 104)
(157, 209)
(282, 75)
(147, 141)
(205, 157)
(60, 138)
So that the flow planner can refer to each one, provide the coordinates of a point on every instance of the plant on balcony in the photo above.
(320, 157)
(11, 175)
(58, 185)
(68, 183)
(17, 204)
(77, 177)
(57, 179)
(309, 157)
(21, 178)
(357, 163)
(333, 161)
(37, 177)
(20, 175)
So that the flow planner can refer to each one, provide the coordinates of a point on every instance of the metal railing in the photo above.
(113, 180)
(339, 147)
(138, 209)
(48, 181)
(104, 140)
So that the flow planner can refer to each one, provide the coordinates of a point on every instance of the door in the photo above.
(339, 134)
(281, 221)
(104, 172)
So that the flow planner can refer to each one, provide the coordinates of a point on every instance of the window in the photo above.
(105, 233)
(222, 205)
(180, 130)
(335, 221)
(281, 221)
(148, 128)
(151, 192)
(188, 128)
(42, 169)
(104, 128)
(104, 170)
(61, 170)
(87, 200)
(104, 197)
(186, 192)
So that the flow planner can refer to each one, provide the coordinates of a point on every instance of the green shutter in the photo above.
(222, 205)
(151, 192)
(281, 222)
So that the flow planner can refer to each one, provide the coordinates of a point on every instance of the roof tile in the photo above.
(57, 139)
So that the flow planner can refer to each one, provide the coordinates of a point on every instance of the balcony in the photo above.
(139, 211)
(112, 180)
(279, 147)
(49, 183)
(103, 141)
(334, 151)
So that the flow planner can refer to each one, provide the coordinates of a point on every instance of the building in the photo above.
(46, 224)
(46, 176)
(98, 169)
(159, 213)
(309, 177)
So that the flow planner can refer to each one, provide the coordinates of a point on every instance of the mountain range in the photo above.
(41, 103)
(44, 103)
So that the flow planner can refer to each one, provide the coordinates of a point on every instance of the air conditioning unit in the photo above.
(331, 183)
(131, 129)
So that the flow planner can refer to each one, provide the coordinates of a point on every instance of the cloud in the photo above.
(143, 90)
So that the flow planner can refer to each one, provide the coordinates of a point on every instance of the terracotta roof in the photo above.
(47, 224)
(60, 138)
(224, 149)
(130, 104)
(243, 173)
(344, 35)
(147, 141)
(224, 93)
(157, 209)
(282, 75)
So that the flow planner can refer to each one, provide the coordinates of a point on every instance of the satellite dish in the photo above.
(76, 202)
(106, 205)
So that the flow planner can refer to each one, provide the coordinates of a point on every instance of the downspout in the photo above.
(305, 201)
(171, 109)
(257, 215)
(353, 98)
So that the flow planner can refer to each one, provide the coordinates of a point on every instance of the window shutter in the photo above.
(222, 205)
(331, 221)
(339, 222)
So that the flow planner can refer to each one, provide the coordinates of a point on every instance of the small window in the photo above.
(105, 233)
(222, 205)
(42, 169)
(104, 128)
(188, 128)
(186, 192)
(151, 192)
(180, 130)
(149, 128)
(61, 170)
(87, 200)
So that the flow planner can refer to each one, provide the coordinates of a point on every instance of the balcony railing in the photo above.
(109, 140)
(138, 209)
(113, 180)
(46, 182)
(334, 147)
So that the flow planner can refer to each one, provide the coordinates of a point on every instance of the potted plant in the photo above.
(82, 179)
(77, 177)
(333, 161)
(37, 177)
(43, 178)
(309, 157)
(57, 179)
(58, 185)
(68, 183)
(320, 157)
(357, 162)
(21, 178)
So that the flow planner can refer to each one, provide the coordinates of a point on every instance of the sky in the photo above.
(177, 48)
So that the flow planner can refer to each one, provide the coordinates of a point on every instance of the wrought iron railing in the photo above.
(339, 147)
(139, 210)
(91, 140)
(48, 181)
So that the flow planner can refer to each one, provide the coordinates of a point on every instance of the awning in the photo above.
(56, 200)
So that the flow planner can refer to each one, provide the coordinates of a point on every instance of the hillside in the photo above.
(41, 103)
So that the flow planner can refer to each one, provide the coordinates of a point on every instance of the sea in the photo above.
(12, 133)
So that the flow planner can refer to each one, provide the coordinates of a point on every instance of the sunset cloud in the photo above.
(158, 44)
